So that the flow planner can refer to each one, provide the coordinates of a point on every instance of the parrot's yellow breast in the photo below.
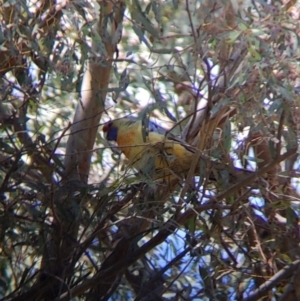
(153, 154)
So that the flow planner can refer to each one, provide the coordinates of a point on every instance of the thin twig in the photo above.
(269, 284)
(191, 21)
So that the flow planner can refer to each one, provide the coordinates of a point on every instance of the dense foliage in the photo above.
(76, 222)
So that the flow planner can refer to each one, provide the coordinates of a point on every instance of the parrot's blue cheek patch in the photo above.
(112, 134)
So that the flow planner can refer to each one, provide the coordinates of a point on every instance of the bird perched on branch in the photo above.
(152, 152)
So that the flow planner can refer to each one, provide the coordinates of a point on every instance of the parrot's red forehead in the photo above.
(107, 126)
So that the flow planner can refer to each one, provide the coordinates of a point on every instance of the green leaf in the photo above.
(253, 159)
(227, 135)
(233, 36)
(156, 7)
(275, 106)
(140, 18)
(285, 93)
(215, 109)
(141, 35)
(148, 8)
(255, 55)
(118, 34)
(190, 224)
(291, 217)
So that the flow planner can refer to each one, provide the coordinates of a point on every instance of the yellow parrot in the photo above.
(150, 151)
